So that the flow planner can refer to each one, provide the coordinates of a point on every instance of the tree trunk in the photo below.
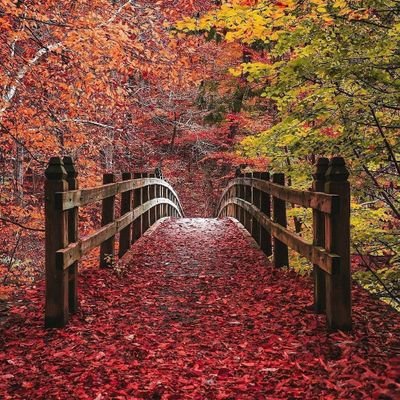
(19, 174)
(109, 152)
(174, 133)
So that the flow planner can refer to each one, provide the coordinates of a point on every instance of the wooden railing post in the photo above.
(157, 174)
(318, 185)
(73, 215)
(166, 206)
(281, 256)
(337, 240)
(152, 195)
(171, 197)
(256, 229)
(239, 210)
(265, 239)
(162, 206)
(228, 210)
(125, 236)
(107, 249)
(175, 211)
(145, 198)
(137, 201)
(248, 194)
(56, 225)
(236, 194)
(169, 207)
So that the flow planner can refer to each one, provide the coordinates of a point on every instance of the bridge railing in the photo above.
(258, 201)
(144, 200)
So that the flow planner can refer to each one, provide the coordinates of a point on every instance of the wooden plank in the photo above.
(315, 200)
(330, 263)
(75, 251)
(327, 203)
(79, 198)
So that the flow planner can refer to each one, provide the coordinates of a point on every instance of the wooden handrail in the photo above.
(79, 198)
(330, 263)
(248, 199)
(324, 202)
(144, 200)
(75, 251)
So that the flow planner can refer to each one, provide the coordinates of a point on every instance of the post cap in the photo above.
(55, 170)
(337, 170)
(321, 167)
(70, 167)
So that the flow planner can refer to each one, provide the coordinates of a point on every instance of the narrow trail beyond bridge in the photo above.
(195, 311)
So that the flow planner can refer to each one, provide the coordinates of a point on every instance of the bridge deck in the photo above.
(195, 311)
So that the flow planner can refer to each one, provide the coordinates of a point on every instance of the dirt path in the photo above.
(195, 312)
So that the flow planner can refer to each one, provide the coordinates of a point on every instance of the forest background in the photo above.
(200, 88)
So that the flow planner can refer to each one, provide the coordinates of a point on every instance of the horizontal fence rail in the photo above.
(259, 203)
(144, 199)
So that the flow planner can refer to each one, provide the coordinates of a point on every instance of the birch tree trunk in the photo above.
(19, 174)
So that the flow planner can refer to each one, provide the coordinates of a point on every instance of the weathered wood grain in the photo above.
(79, 198)
(324, 202)
(107, 250)
(329, 262)
(56, 226)
(125, 236)
(73, 215)
(75, 251)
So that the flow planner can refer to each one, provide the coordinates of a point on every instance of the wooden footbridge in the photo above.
(256, 199)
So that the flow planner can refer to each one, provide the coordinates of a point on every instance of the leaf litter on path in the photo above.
(195, 311)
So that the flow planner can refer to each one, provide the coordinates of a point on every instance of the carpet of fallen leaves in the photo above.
(196, 312)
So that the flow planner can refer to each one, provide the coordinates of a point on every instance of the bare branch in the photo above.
(95, 123)
(387, 145)
(21, 143)
(28, 228)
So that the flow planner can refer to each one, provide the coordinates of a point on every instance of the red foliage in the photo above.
(195, 312)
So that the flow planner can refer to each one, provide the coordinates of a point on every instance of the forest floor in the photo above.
(197, 189)
(195, 311)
